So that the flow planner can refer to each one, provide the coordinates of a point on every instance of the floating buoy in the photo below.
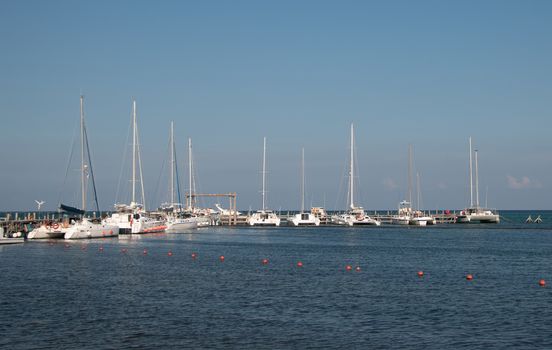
(357, 269)
(469, 277)
(299, 264)
(542, 283)
(420, 274)
(101, 249)
(123, 250)
(348, 267)
(194, 255)
(264, 261)
(145, 252)
(221, 258)
(169, 253)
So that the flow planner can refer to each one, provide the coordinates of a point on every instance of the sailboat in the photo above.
(85, 228)
(304, 218)
(176, 221)
(404, 212)
(202, 217)
(475, 213)
(264, 217)
(133, 218)
(355, 215)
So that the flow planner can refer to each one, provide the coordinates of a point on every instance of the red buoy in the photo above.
(299, 264)
(348, 267)
(420, 274)
(101, 249)
(542, 283)
(264, 261)
(123, 250)
(469, 277)
(194, 255)
(145, 252)
(357, 269)
(221, 258)
(169, 253)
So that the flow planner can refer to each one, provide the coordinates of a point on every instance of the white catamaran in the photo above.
(304, 218)
(264, 217)
(355, 215)
(475, 213)
(133, 218)
(85, 228)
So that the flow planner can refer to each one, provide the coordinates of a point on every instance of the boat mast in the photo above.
(476, 181)
(171, 145)
(83, 169)
(263, 192)
(302, 180)
(410, 175)
(351, 170)
(417, 191)
(133, 202)
(190, 172)
(471, 174)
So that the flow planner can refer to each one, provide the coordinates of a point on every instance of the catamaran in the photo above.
(355, 215)
(85, 228)
(264, 217)
(475, 213)
(133, 218)
(304, 218)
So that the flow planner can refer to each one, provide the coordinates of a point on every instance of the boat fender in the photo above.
(55, 226)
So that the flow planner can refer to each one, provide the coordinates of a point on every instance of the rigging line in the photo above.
(140, 166)
(158, 184)
(72, 149)
(177, 177)
(91, 169)
(123, 162)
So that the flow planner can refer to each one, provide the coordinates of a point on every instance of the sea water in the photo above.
(148, 292)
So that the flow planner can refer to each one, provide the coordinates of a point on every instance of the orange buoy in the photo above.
(169, 253)
(420, 274)
(299, 264)
(348, 267)
(194, 255)
(264, 261)
(357, 269)
(542, 283)
(221, 258)
(469, 277)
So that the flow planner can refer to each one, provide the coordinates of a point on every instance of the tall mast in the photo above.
(190, 172)
(83, 169)
(471, 174)
(133, 202)
(171, 145)
(302, 180)
(351, 170)
(410, 175)
(417, 191)
(264, 173)
(476, 182)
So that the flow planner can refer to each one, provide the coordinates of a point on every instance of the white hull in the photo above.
(418, 221)
(47, 232)
(400, 220)
(121, 220)
(264, 218)
(354, 220)
(304, 219)
(478, 215)
(181, 224)
(144, 224)
(86, 230)
(4, 240)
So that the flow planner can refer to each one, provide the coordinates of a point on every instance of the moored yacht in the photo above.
(303, 218)
(355, 215)
(264, 217)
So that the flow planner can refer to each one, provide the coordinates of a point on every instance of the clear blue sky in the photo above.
(429, 73)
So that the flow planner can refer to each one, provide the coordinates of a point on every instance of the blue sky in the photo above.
(426, 73)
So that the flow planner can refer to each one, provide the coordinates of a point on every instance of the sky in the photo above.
(228, 73)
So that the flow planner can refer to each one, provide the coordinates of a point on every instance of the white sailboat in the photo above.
(201, 217)
(133, 218)
(264, 217)
(475, 213)
(404, 213)
(176, 221)
(304, 218)
(355, 215)
(84, 228)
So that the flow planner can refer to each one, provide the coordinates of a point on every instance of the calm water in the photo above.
(58, 297)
